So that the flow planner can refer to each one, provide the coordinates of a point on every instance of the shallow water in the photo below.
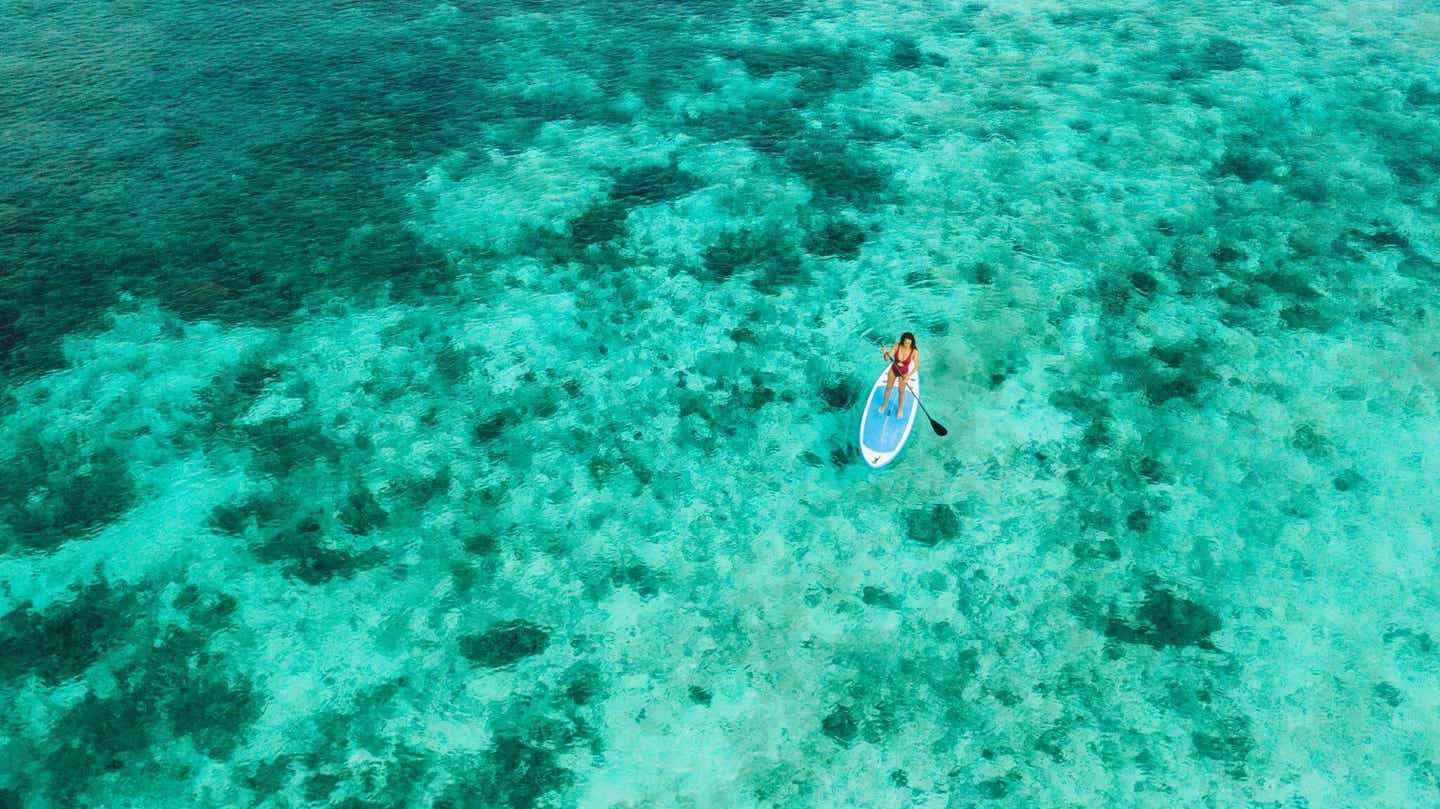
(453, 405)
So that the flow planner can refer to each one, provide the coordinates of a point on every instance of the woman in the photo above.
(904, 361)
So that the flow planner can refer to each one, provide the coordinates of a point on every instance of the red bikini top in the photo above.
(896, 360)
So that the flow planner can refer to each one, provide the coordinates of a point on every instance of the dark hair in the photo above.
(911, 337)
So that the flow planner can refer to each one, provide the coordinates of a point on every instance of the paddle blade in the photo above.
(937, 427)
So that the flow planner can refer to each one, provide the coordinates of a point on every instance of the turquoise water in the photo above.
(454, 405)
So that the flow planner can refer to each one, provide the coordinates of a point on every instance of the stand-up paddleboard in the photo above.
(882, 437)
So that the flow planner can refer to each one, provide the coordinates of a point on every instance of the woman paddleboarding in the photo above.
(904, 362)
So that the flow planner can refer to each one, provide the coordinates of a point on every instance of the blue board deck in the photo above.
(883, 436)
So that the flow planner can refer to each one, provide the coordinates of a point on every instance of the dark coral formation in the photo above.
(167, 681)
(504, 643)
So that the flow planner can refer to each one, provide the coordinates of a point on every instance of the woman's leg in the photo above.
(889, 383)
(900, 403)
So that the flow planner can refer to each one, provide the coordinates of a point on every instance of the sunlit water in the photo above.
(453, 405)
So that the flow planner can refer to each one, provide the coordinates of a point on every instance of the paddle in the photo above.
(934, 425)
